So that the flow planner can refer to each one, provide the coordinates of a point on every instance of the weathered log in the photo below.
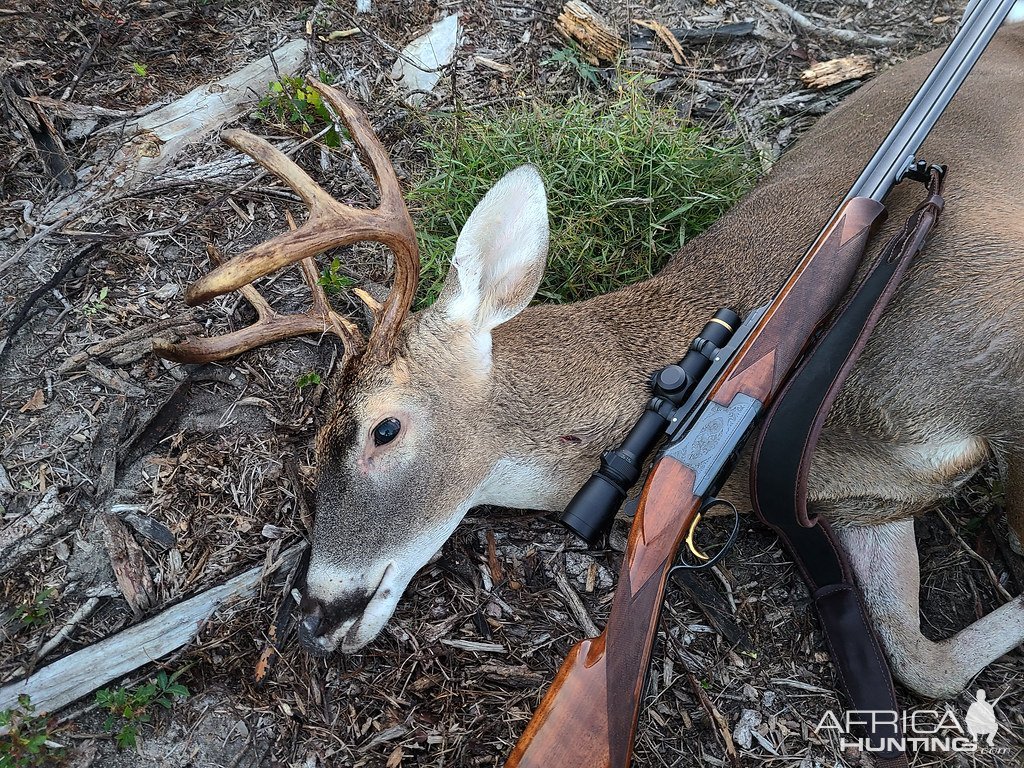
(29, 532)
(82, 672)
(154, 139)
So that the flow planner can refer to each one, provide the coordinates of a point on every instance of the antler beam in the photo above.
(330, 224)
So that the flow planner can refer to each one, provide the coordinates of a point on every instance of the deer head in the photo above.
(403, 453)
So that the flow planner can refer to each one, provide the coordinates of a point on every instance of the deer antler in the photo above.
(270, 326)
(330, 224)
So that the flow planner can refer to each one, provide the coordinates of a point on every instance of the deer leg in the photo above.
(885, 560)
(1015, 501)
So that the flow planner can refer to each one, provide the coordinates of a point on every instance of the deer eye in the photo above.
(386, 431)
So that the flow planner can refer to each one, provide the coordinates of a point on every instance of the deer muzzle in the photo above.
(337, 612)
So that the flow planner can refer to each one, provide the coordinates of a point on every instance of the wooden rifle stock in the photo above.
(589, 715)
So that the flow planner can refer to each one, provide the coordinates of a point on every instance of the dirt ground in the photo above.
(217, 460)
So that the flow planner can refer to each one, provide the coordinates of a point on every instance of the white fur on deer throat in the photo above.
(946, 456)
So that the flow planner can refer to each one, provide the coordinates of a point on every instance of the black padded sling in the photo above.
(782, 455)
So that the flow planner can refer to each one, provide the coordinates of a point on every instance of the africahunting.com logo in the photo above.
(923, 729)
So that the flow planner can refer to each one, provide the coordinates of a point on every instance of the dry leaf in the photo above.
(34, 403)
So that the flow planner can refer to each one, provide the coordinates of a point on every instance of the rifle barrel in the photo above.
(897, 152)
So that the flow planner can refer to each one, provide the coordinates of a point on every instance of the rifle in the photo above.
(706, 407)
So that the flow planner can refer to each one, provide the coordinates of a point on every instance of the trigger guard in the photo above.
(717, 557)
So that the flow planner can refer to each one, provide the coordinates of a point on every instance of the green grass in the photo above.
(627, 182)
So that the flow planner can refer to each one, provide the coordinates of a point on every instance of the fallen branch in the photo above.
(84, 611)
(29, 532)
(82, 672)
(153, 140)
(842, 35)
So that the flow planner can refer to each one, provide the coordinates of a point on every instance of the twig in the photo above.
(83, 612)
(716, 717)
(81, 68)
(842, 35)
(22, 315)
(975, 556)
(572, 599)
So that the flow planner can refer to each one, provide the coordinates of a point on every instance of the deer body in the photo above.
(481, 400)
(937, 392)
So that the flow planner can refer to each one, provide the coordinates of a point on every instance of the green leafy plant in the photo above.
(97, 303)
(627, 183)
(291, 101)
(140, 69)
(129, 710)
(331, 279)
(308, 379)
(28, 741)
(570, 56)
(38, 610)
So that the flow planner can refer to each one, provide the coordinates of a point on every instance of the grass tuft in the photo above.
(627, 182)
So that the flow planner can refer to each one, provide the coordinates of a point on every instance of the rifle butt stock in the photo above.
(588, 716)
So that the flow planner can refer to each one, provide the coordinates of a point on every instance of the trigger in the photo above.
(689, 539)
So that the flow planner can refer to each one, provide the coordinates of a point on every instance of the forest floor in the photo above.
(211, 468)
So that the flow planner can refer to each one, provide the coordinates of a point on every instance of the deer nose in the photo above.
(312, 612)
(318, 620)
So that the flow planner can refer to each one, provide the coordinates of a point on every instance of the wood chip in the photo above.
(581, 24)
(828, 73)
(497, 573)
(34, 403)
(112, 380)
(483, 61)
(473, 645)
(665, 35)
(572, 600)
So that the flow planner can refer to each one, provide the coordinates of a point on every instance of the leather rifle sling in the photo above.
(782, 456)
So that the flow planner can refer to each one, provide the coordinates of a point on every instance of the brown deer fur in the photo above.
(518, 417)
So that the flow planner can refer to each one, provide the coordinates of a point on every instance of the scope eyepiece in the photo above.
(592, 509)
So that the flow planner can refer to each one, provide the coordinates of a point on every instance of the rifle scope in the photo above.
(593, 507)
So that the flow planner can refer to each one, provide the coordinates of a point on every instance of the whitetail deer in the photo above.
(482, 399)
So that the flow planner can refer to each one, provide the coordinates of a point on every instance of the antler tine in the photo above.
(270, 326)
(330, 224)
(388, 319)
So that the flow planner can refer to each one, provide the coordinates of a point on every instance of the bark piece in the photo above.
(146, 526)
(31, 121)
(581, 24)
(835, 71)
(129, 565)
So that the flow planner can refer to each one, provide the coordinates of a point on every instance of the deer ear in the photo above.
(500, 254)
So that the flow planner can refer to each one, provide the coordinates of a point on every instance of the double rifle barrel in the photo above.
(896, 153)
